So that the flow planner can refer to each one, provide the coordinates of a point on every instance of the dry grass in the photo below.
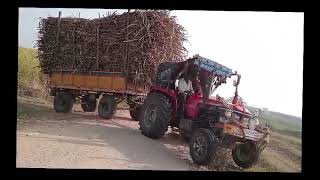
(282, 155)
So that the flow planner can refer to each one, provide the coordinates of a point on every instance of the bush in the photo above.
(30, 80)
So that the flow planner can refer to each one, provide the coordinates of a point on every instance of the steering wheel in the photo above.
(188, 93)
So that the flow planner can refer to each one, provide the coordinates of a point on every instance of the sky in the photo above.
(266, 48)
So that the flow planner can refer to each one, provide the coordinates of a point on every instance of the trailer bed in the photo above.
(99, 81)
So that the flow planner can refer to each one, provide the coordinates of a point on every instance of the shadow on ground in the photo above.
(89, 129)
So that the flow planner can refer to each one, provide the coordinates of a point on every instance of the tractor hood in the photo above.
(224, 104)
(195, 100)
(235, 107)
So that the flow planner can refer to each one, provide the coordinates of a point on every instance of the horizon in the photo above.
(265, 47)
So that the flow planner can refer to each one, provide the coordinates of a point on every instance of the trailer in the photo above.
(109, 88)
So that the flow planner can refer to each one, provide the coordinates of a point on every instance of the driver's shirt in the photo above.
(184, 86)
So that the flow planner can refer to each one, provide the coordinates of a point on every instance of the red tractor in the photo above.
(208, 122)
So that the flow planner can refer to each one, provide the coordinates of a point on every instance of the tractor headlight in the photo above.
(235, 117)
(257, 121)
(225, 116)
(253, 123)
(228, 114)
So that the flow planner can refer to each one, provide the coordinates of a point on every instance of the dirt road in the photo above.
(46, 139)
(51, 140)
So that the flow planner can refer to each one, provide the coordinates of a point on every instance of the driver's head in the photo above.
(187, 76)
(194, 70)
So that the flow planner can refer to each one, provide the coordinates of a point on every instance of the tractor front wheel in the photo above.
(203, 146)
(246, 155)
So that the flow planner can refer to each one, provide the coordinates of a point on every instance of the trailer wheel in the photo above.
(107, 107)
(246, 155)
(63, 102)
(203, 146)
(134, 113)
(89, 105)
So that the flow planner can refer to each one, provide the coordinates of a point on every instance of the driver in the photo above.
(184, 87)
(185, 84)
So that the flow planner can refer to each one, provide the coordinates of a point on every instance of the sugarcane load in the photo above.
(133, 43)
(107, 60)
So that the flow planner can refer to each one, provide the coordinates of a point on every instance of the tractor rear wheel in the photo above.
(203, 146)
(63, 102)
(155, 115)
(246, 155)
